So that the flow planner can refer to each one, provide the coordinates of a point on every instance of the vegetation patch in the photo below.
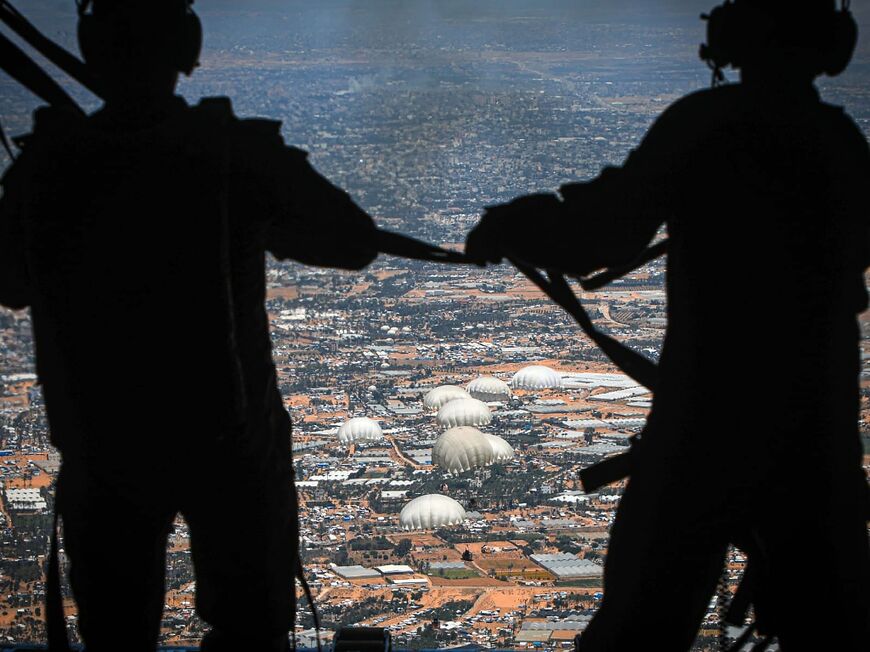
(454, 573)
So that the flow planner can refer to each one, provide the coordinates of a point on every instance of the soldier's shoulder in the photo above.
(843, 136)
(685, 121)
(703, 103)
(835, 117)
(57, 117)
(50, 124)
(49, 140)
(255, 137)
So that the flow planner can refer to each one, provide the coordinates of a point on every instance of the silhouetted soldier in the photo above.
(753, 436)
(137, 236)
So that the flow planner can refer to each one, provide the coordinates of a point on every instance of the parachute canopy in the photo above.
(431, 511)
(359, 429)
(464, 412)
(536, 376)
(437, 397)
(487, 388)
(501, 450)
(461, 449)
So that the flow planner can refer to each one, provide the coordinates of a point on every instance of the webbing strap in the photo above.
(742, 640)
(6, 144)
(739, 606)
(396, 244)
(26, 72)
(607, 471)
(63, 59)
(638, 367)
(300, 574)
(55, 621)
(649, 254)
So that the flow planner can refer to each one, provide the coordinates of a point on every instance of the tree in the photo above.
(403, 547)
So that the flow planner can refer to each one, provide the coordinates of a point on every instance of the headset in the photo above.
(736, 27)
(180, 37)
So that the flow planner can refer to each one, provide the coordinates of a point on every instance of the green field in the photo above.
(454, 573)
(586, 583)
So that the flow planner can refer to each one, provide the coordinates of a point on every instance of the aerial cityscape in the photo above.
(441, 414)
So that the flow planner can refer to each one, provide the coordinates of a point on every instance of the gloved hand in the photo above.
(504, 229)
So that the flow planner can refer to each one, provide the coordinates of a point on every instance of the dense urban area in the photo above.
(425, 117)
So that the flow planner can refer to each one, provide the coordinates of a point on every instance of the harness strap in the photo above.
(66, 61)
(609, 275)
(26, 72)
(396, 244)
(607, 471)
(6, 144)
(220, 111)
(55, 620)
(739, 606)
(742, 640)
(300, 574)
(638, 367)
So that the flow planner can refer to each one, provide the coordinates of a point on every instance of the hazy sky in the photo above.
(328, 19)
(610, 10)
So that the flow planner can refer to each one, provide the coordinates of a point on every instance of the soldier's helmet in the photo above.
(819, 35)
(134, 36)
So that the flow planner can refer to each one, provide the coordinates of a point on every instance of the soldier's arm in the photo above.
(861, 203)
(14, 278)
(308, 218)
(605, 222)
(851, 183)
(319, 224)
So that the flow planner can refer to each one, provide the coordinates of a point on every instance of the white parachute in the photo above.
(487, 388)
(501, 450)
(464, 412)
(437, 397)
(359, 429)
(461, 449)
(431, 511)
(536, 376)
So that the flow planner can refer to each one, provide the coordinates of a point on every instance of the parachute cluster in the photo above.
(462, 447)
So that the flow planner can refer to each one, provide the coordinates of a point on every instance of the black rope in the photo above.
(722, 604)
(743, 639)
(300, 573)
(55, 621)
(26, 72)
(763, 644)
(6, 144)
(403, 246)
(62, 58)
(638, 367)
(609, 275)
